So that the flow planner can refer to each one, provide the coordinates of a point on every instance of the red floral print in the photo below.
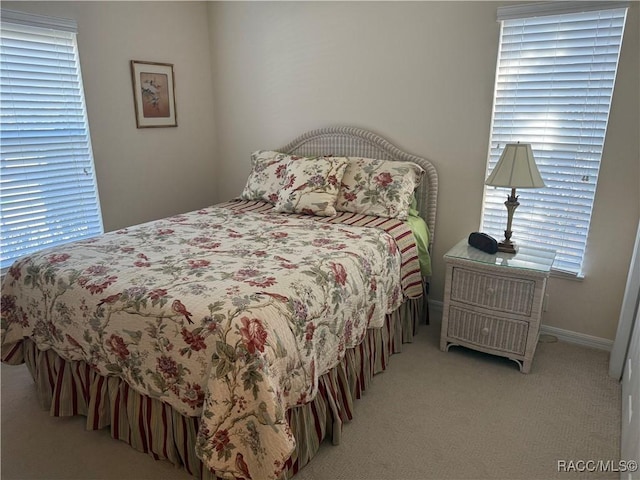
(393, 246)
(143, 261)
(300, 310)
(308, 335)
(157, 293)
(383, 179)
(350, 196)
(253, 334)
(281, 170)
(339, 273)
(167, 366)
(8, 304)
(290, 181)
(263, 282)
(179, 218)
(193, 395)
(320, 242)
(96, 287)
(199, 240)
(16, 271)
(221, 440)
(12, 312)
(196, 342)
(348, 331)
(199, 263)
(116, 345)
(240, 403)
(96, 270)
(58, 258)
(245, 273)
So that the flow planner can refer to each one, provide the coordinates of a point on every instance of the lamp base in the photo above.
(507, 247)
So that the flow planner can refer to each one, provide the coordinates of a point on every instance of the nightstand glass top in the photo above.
(526, 257)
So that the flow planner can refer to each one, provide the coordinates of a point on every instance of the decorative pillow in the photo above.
(267, 175)
(311, 186)
(378, 187)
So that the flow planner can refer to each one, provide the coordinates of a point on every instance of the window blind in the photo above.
(554, 82)
(48, 191)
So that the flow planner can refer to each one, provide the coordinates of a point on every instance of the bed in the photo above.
(233, 339)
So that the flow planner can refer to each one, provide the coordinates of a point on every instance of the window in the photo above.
(554, 81)
(48, 192)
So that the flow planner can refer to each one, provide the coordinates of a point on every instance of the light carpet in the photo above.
(430, 415)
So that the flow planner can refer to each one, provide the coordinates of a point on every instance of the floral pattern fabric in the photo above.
(311, 186)
(378, 187)
(225, 315)
(267, 175)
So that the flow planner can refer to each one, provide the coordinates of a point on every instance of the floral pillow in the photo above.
(267, 175)
(378, 187)
(311, 186)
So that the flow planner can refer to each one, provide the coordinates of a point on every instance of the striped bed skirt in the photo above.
(73, 388)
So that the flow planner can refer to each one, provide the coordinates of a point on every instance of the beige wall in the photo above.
(144, 174)
(422, 75)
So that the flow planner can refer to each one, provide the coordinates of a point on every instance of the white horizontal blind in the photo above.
(48, 192)
(554, 82)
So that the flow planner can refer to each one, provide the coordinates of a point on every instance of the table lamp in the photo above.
(515, 169)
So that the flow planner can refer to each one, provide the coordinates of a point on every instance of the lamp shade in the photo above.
(516, 168)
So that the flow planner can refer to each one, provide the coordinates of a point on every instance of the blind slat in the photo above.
(554, 82)
(47, 177)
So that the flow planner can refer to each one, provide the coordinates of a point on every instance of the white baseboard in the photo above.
(578, 338)
(561, 334)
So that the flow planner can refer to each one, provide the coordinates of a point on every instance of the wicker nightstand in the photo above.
(493, 303)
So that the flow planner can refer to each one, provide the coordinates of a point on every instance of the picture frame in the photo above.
(154, 94)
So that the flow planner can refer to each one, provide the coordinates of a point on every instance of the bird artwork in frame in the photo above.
(153, 94)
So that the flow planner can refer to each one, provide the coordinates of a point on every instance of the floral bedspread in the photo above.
(227, 315)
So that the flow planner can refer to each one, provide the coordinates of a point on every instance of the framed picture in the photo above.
(153, 94)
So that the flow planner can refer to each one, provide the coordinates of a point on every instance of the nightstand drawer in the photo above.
(495, 292)
(496, 333)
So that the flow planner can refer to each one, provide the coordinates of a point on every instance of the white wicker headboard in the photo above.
(356, 142)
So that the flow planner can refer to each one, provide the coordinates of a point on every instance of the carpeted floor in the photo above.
(431, 415)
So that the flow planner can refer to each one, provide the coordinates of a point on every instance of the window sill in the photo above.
(567, 276)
